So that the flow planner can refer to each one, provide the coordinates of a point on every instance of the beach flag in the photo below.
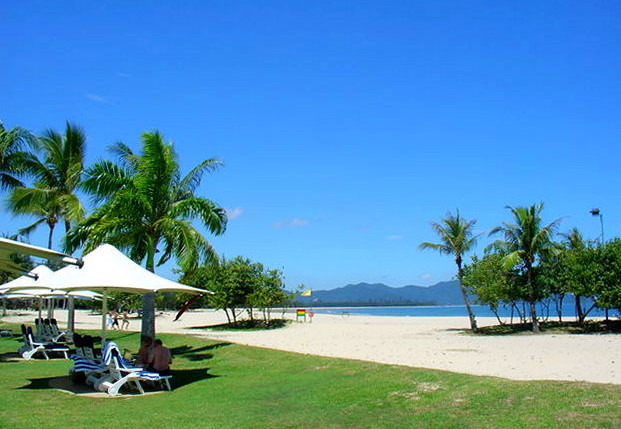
(307, 292)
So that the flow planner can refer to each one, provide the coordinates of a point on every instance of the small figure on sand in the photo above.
(125, 322)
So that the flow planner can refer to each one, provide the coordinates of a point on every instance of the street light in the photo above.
(596, 212)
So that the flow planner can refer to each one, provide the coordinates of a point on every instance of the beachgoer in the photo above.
(160, 358)
(125, 322)
(115, 320)
(109, 320)
(145, 350)
(311, 314)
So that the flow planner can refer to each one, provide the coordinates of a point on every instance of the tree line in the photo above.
(528, 267)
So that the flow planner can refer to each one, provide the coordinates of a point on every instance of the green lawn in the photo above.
(222, 385)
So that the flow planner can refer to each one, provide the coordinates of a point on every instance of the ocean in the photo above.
(569, 311)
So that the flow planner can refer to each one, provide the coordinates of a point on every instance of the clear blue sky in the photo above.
(345, 127)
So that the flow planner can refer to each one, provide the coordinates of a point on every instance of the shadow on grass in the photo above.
(183, 350)
(181, 377)
(589, 327)
(247, 325)
(10, 357)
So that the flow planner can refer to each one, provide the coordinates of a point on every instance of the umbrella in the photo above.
(108, 269)
(8, 247)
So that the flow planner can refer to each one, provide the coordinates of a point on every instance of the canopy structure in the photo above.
(37, 278)
(9, 247)
(37, 284)
(108, 269)
(49, 293)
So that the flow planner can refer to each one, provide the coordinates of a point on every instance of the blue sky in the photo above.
(345, 127)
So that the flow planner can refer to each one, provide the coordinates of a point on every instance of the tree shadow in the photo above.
(246, 325)
(183, 350)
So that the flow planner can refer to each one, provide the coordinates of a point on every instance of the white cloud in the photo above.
(122, 74)
(394, 237)
(98, 98)
(235, 212)
(426, 277)
(295, 222)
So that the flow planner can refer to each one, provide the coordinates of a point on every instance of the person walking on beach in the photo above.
(109, 321)
(125, 322)
(115, 320)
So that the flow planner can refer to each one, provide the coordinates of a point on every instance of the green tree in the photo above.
(57, 175)
(456, 238)
(148, 207)
(609, 290)
(239, 284)
(14, 158)
(525, 242)
(490, 281)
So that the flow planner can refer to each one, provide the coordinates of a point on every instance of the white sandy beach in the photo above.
(426, 342)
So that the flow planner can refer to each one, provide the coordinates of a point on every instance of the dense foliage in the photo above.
(240, 285)
(590, 274)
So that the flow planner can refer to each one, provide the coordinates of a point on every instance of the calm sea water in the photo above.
(452, 311)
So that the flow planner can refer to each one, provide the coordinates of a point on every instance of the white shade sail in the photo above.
(9, 247)
(49, 293)
(107, 268)
(37, 278)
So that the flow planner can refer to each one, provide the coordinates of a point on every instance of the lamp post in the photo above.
(597, 212)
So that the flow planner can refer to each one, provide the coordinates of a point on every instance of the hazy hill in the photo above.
(443, 293)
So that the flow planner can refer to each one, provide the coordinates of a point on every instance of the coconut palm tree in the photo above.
(53, 197)
(13, 156)
(147, 207)
(526, 241)
(456, 238)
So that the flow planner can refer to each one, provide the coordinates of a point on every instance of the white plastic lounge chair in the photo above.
(32, 347)
(122, 372)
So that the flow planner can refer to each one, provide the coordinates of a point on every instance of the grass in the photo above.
(223, 385)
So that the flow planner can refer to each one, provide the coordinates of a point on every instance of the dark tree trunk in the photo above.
(148, 301)
(50, 236)
(579, 312)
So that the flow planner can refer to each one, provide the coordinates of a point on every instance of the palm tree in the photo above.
(525, 242)
(57, 177)
(457, 237)
(13, 158)
(574, 242)
(148, 208)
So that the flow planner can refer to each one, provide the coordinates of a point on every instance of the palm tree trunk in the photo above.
(473, 321)
(148, 300)
(531, 298)
(50, 236)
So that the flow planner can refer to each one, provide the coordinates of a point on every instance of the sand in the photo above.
(425, 342)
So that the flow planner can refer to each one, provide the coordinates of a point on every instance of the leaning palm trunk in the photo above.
(532, 299)
(464, 293)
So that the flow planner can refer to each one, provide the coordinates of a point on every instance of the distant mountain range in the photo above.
(377, 294)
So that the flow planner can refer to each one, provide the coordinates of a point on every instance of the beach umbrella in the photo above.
(34, 279)
(9, 247)
(107, 269)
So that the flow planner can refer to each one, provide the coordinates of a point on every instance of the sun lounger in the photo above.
(32, 347)
(114, 372)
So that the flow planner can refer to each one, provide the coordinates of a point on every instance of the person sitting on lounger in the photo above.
(145, 351)
(159, 359)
